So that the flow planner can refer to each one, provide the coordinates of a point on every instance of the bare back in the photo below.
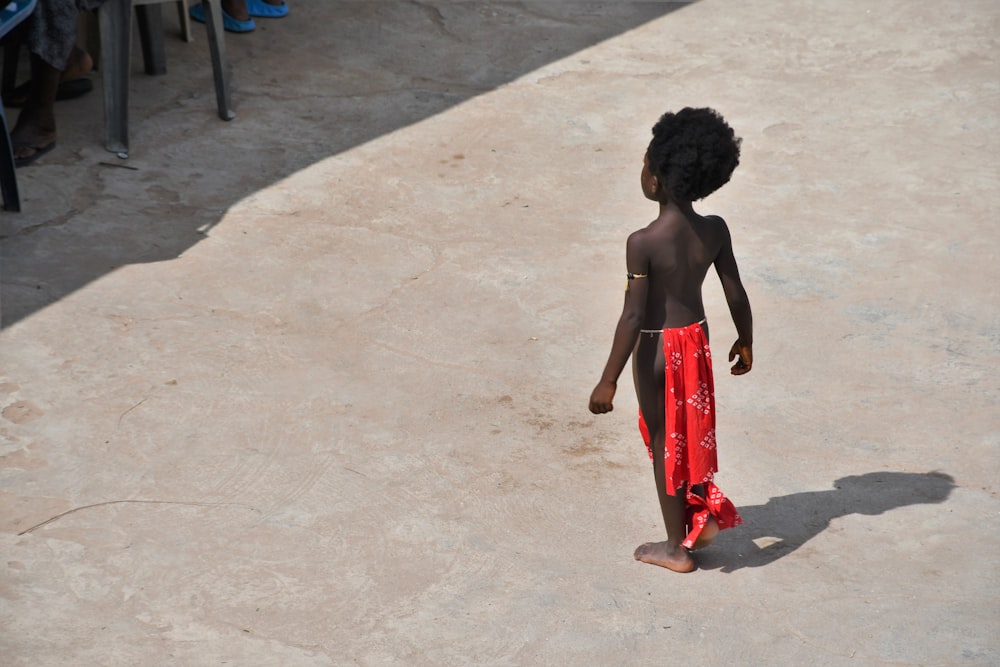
(679, 249)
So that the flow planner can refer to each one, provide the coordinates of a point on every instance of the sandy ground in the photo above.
(309, 387)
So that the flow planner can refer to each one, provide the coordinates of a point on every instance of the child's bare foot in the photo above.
(662, 554)
(707, 535)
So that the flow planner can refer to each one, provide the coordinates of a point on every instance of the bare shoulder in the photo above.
(639, 239)
(716, 220)
(638, 250)
(717, 226)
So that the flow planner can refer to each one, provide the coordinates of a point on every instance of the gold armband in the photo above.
(633, 276)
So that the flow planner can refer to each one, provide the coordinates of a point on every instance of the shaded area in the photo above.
(376, 68)
(786, 523)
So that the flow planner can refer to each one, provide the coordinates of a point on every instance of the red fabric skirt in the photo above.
(690, 456)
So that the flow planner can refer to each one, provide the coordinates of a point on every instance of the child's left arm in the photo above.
(627, 331)
(739, 306)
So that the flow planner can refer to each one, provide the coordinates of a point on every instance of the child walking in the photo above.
(662, 327)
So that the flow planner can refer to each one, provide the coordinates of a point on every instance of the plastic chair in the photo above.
(115, 20)
(10, 17)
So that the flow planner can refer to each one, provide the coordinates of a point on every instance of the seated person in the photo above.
(55, 58)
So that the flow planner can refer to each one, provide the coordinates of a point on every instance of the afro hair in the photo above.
(693, 153)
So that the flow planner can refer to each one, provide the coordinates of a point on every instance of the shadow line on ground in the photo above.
(346, 73)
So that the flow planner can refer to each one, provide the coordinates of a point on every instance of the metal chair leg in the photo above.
(154, 55)
(115, 18)
(185, 20)
(217, 47)
(8, 170)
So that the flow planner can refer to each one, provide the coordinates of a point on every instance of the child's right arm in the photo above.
(627, 331)
(739, 305)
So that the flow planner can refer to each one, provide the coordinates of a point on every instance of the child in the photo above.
(693, 152)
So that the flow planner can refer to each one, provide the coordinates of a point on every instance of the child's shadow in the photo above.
(784, 524)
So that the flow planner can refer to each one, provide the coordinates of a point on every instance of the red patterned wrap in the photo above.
(690, 456)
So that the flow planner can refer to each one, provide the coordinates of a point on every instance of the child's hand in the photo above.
(745, 354)
(601, 397)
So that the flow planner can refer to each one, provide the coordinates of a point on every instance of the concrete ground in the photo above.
(309, 387)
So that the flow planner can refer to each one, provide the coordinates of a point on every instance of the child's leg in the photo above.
(707, 535)
(711, 529)
(647, 372)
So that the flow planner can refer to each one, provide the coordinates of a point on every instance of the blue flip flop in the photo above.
(264, 10)
(228, 22)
